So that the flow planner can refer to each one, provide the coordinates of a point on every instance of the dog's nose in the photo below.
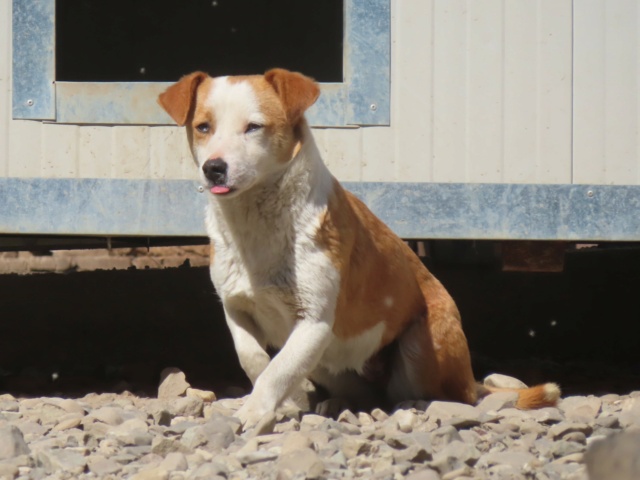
(215, 169)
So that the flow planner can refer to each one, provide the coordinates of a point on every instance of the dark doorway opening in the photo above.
(161, 40)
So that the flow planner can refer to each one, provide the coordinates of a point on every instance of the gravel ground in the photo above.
(187, 433)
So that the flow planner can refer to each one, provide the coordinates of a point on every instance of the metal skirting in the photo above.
(107, 207)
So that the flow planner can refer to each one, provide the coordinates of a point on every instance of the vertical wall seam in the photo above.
(432, 92)
(572, 98)
(467, 91)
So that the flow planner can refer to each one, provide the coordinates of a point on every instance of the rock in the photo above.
(187, 407)
(354, 446)
(174, 462)
(571, 458)
(151, 474)
(250, 458)
(580, 409)
(577, 437)
(71, 406)
(517, 460)
(208, 471)
(102, 466)
(615, 457)
(454, 456)
(420, 439)
(406, 420)
(459, 415)
(204, 395)
(497, 401)
(347, 416)
(131, 432)
(562, 448)
(173, 384)
(296, 441)
(48, 413)
(12, 443)
(379, 415)
(8, 470)
(462, 473)
(426, 474)
(413, 453)
(497, 380)
(443, 436)
(65, 460)
(312, 420)
(163, 446)
(214, 435)
(630, 413)
(608, 421)
(67, 424)
(547, 415)
(108, 415)
(561, 429)
(304, 461)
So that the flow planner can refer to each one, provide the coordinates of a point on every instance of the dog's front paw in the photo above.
(256, 421)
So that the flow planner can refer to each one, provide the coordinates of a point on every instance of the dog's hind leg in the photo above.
(432, 362)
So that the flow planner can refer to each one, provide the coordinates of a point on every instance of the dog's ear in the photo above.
(179, 98)
(296, 92)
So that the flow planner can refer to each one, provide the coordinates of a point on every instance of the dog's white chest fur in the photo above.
(256, 275)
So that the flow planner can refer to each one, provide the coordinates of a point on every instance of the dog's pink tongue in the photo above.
(219, 189)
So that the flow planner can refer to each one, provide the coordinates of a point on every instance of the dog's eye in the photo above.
(203, 127)
(252, 127)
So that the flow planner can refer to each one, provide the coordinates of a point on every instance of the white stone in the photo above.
(497, 380)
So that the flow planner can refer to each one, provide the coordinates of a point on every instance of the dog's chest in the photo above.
(258, 276)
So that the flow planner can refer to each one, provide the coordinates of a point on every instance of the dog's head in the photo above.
(242, 130)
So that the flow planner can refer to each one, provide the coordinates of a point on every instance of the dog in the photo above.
(304, 267)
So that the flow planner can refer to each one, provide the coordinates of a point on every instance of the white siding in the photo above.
(482, 91)
(606, 92)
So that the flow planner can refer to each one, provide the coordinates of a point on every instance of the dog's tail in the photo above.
(539, 396)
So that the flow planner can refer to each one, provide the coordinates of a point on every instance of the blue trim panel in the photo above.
(33, 59)
(362, 99)
(367, 62)
(101, 207)
(135, 103)
(413, 210)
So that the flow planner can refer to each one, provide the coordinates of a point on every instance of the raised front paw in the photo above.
(256, 420)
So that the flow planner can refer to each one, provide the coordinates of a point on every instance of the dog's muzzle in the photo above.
(215, 170)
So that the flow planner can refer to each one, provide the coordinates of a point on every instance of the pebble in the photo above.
(12, 442)
(189, 435)
(173, 384)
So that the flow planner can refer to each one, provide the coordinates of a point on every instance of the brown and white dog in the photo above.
(303, 266)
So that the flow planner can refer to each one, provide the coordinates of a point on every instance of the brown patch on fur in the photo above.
(296, 91)
(178, 100)
(371, 265)
(376, 267)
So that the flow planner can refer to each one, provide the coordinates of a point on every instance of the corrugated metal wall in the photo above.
(492, 91)
(606, 82)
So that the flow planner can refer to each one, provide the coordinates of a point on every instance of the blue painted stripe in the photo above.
(412, 210)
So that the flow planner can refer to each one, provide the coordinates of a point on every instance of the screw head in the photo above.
(200, 188)
(30, 103)
(590, 193)
(373, 107)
